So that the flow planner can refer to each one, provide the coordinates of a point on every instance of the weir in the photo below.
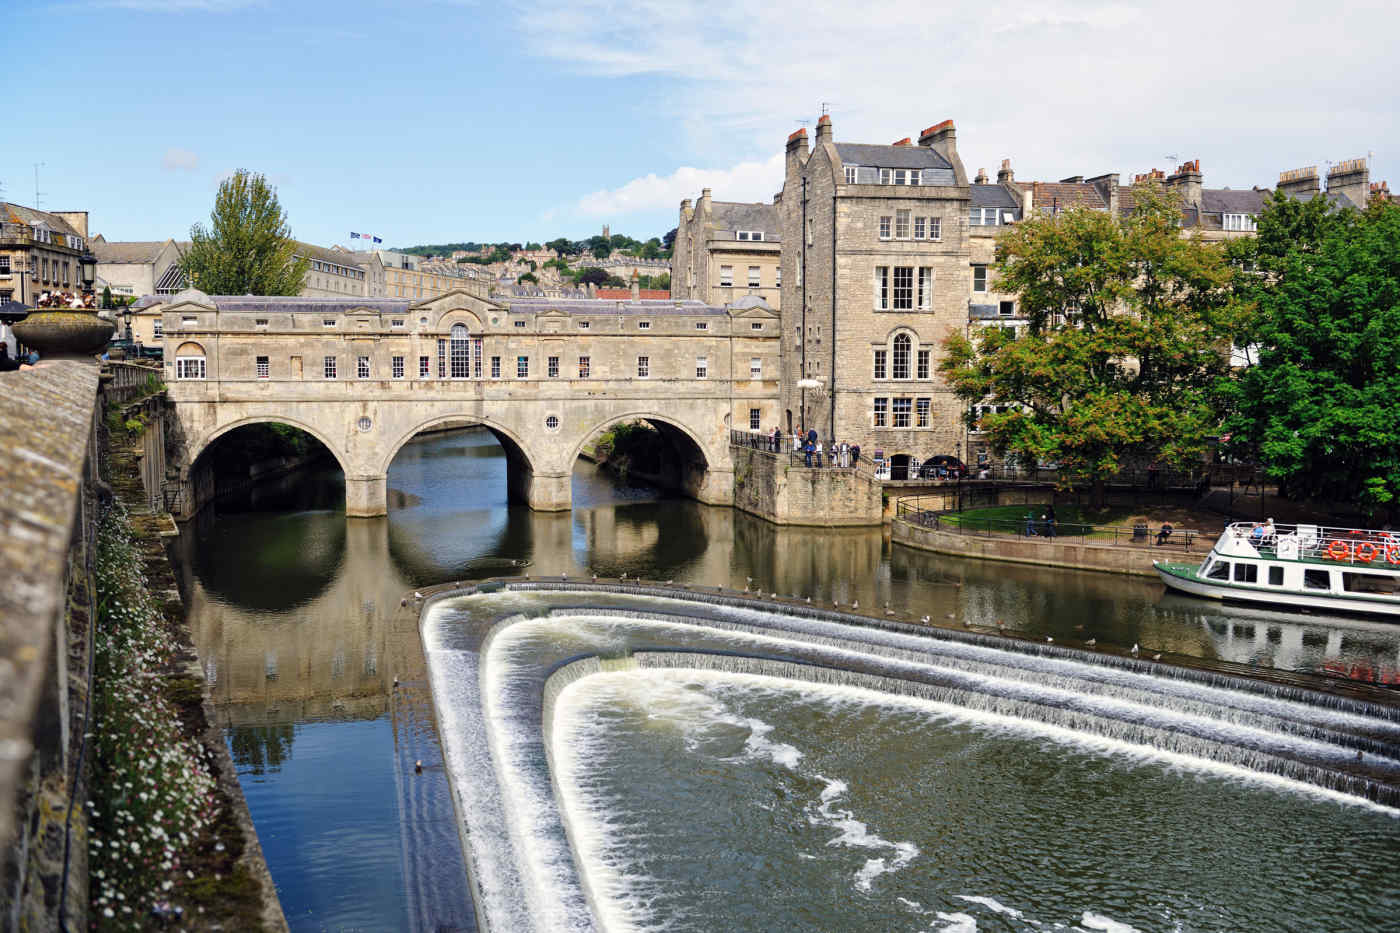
(503, 663)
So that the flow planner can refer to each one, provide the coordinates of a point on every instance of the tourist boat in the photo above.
(1298, 567)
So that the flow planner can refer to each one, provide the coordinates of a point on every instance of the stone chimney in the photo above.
(1107, 187)
(1299, 181)
(637, 284)
(1004, 174)
(1150, 175)
(1380, 191)
(823, 129)
(78, 220)
(902, 142)
(938, 135)
(592, 290)
(796, 151)
(705, 200)
(981, 178)
(685, 206)
(1186, 182)
(1351, 178)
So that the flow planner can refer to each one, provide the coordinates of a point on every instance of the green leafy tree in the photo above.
(107, 296)
(564, 246)
(591, 275)
(247, 248)
(527, 277)
(601, 247)
(1128, 333)
(651, 249)
(1320, 409)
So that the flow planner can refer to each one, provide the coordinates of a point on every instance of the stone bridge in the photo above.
(365, 376)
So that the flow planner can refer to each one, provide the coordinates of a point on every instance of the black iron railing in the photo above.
(1035, 526)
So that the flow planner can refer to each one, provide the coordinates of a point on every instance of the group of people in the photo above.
(9, 364)
(1044, 526)
(816, 454)
(67, 300)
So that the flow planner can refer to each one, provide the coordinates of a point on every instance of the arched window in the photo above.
(460, 352)
(189, 361)
(901, 357)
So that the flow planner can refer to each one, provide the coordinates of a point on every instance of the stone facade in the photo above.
(364, 376)
(39, 252)
(724, 249)
(133, 269)
(876, 267)
(771, 486)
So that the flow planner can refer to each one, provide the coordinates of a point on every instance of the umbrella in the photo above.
(12, 311)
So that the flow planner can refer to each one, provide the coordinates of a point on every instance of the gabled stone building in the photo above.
(876, 270)
(727, 249)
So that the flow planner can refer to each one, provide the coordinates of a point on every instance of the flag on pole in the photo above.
(354, 236)
(378, 240)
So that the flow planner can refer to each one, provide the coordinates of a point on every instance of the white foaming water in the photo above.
(955, 923)
(854, 834)
(1093, 921)
(991, 904)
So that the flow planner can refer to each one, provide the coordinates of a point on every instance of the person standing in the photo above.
(855, 455)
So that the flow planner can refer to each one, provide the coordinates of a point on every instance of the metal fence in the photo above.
(1034, 527)
(824, 460)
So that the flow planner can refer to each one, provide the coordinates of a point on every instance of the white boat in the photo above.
(1308, 568)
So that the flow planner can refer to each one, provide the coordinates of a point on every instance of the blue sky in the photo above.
(437, 121)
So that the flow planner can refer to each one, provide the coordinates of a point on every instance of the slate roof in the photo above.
(736, 215)
(1064, 194)
(312, 251)
(891, 156)
(295, 304)
(609, 306)
(994, 196)
(19, 214)
(142, 251)
(1232, 201)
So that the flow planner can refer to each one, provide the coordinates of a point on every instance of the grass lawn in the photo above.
(1074, 521)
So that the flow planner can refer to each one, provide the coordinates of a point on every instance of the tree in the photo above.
(668, 242)
(1128, 323)
(248, 248)
(527, 277)
(565, 246)
(651, 249)
(107, 296)
(1319, 409)
(591, 275)
(533, 247)
(600, 246)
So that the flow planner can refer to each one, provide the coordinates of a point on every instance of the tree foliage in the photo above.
(247, 248)
(1128, 324)
(1321, 407)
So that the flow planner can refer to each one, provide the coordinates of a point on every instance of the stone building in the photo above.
(727, 248)
(876, 274)
(340, 273)
(135, 268)
(40, 251)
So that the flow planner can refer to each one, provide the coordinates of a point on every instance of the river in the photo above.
(324, 701)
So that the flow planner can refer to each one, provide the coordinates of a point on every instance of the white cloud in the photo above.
(1060, 86)
(747, 181)
(179, 160)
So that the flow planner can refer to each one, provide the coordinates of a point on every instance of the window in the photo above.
(885, 225)
(702, 367)
(188, 321)
(923, 365)
(1239, 222)
(263, 367)
(899, 176)
(520, 323)
(903, 288)
(983, 217)
(327, 323)
(643, 367)
(754, 415)
(886, 176)
(1246, 572)
(1275, 576)
(362, 367)
(925, 287)
(460, 352)
(552, 367)
(644, 325)
(396, 322)
(979, 278)
(921, 410)
(754, 235)
(880, 370)
(753, 277)
(328, 367)
(552, 422)
(495, 367)
(850, 174)
(882, 288)
(1220, 570)
(1317, 580)
(935, 228)
(423, 367)
(442, 358)
(260, 322)
(726, 276)
(920, 228)
(702, 325)
(902, 408)
(158, 328)
(755, 368)
(584, 325)
(1007, 309)
(1373, 583)
(778, 277)
(901, 225)
(756, 325)
(584, 367)
(901, 356)
(189, 367)
(5, 264)
(522, 367)
(881, 406)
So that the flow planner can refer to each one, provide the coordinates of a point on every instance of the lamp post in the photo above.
(88, 264)
(958, 456)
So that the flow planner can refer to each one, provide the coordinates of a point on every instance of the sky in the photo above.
(450, 120)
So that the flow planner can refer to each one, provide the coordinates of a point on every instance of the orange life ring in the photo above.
(1366, 552)
(1338, 550)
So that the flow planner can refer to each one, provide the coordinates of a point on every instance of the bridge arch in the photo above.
(523, 473)
(198, 449)
(697, 464)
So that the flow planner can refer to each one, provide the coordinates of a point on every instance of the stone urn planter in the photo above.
(64, 333)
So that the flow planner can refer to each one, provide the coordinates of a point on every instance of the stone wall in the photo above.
(771, 486)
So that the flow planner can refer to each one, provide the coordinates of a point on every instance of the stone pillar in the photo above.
(366, 496)
(714, 486)
(545, 492)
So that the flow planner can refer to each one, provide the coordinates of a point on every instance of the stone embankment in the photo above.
(771, 486)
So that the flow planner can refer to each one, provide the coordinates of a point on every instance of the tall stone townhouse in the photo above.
(40, 251)
(727, 249)
(876, 273)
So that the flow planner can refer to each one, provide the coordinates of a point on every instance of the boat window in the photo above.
(1221, 571)
(1275, 576)
(1317, 580)
(1246, 573)
(1370, 583)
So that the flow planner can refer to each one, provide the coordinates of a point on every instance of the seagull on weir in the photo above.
(1157, 656)
(1135, 649)
(1049, 639)
(924, 619)
(1092, 642)
(417, 595)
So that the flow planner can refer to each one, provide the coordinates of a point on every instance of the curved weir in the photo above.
(601, 739)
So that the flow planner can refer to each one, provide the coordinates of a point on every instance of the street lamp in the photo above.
(958, 456)
(88, 264)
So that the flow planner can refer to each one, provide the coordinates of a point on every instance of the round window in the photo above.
(422, 320)
(552, 422)
(364, 424)
(495, 320)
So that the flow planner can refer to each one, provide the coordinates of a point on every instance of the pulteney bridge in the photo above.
(364, 376)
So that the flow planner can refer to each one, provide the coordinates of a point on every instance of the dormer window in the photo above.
(851, 171)
(1239, 222)
(900, 176)
(754, 235)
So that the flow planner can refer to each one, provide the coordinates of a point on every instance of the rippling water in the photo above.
(290, 604)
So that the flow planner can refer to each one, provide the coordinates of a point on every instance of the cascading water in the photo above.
(633, 761)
